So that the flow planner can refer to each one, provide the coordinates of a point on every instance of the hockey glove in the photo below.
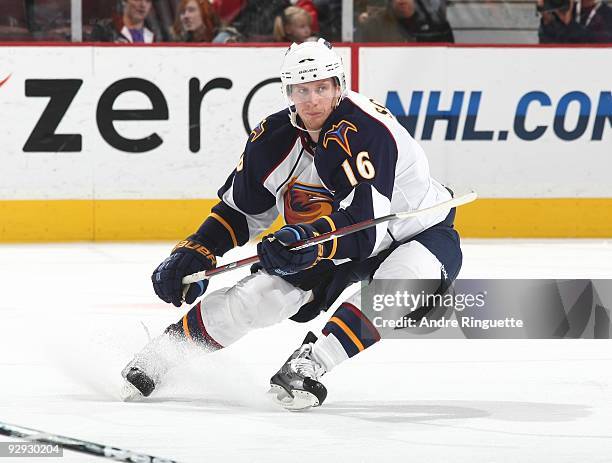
(188, 256)
(277, 259)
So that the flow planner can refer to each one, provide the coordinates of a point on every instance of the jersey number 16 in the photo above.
(364, 168)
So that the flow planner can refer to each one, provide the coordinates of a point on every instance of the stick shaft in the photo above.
(77, 445)
(455, 202)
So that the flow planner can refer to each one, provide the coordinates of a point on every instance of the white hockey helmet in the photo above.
(310, 61)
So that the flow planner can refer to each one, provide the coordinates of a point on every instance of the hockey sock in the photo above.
(347, 333)
(191, 328)
(328, 351)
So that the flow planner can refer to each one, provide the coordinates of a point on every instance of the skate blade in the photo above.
(301, 400)
(129, 393)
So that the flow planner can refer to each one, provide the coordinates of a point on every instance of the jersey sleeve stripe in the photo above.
(334, 242)
(227, 226)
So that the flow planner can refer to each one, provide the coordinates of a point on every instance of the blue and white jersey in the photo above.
(373, 167)
(365, 165)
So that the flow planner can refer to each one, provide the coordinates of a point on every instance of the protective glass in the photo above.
(314, 91)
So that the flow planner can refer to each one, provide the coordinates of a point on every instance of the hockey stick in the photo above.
(340, 232)
(77, 445)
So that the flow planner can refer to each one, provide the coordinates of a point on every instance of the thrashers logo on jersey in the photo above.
(305, 202)
(339, 134)
(257, 131)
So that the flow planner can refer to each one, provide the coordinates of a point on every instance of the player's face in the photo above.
(191, 18)
(314, 101)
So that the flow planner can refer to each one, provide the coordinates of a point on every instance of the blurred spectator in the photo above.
(330, 19)
(575, 21)
(129, 27)
(361, 11)
(293, 25)
(93, 12)
(256, 20)
(47, 19)
(406, 21)
(197, 21)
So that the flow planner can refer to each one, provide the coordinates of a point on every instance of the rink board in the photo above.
(142, 147)
(137, 220)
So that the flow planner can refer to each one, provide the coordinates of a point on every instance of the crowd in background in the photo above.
(575, 21)
(226, 21)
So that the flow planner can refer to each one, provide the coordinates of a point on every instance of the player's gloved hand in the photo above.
(277, 258)
(188, 256)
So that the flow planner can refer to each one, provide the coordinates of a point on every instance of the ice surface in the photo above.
(71, 316)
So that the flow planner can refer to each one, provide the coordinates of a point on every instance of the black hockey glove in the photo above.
(277, 259)
(188, 256)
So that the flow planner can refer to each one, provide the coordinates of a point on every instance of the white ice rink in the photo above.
(70, 318)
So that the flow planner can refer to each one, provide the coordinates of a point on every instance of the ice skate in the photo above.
(296, 385)
(146, 370)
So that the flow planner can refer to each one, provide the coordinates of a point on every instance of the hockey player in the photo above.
(332, 158)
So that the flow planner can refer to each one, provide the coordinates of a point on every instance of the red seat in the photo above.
(228, 9)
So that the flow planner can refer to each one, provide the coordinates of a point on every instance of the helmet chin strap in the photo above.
(294, 123)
